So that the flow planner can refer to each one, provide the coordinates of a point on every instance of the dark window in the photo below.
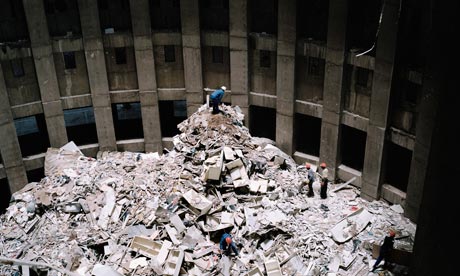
(120, 55)
(5, 195)
(172, 113)
(17, 67)
(411, 93)
(170, 53)
(262, 122)
(307, 134)
(265, 59)
(69, 60)
(217, 54)
(32, 134)
(362, 76)
(314, 66)
(78, 121)
(127, 119)
(103, 4)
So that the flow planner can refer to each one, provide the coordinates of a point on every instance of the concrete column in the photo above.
(380, 99)
(420, 156)
(97, 74)
(239, 72)
(285, 73)
(145, 65)
(434, 81)
(9, 145)
(191, 48)
(333, 86)
(46, 72)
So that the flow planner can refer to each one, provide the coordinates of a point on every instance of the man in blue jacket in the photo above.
(227, 245)
(216, 98)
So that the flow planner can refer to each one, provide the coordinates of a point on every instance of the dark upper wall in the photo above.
(312, 19)
(165, 15)
(13, 25)
(214, 15)
(114, 14)
(62, 17)
(263, 16)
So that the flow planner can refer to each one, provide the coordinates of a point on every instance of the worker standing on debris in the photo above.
(216, 98)
(324, 180)
(385, 249)
(227, 245)
(309, 181)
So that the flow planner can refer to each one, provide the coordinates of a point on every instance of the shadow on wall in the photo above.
(5, 195)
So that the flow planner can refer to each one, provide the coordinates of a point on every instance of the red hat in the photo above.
(307, 165)
(392, 233)
(323, 165)
(228, 240)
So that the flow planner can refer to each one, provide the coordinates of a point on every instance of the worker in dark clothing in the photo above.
(216, 98)
(227, 245)
(324, 180)
(385, 249)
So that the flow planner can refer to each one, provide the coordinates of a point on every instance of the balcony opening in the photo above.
(307, 134)
(35, 175)
(397, 167)
(171, 114)
(262, 122)
(127, 120)
(78, 121)
(353, 147)
(32, 134)
(5, 195)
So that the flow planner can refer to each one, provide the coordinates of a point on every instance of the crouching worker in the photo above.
(227, 245)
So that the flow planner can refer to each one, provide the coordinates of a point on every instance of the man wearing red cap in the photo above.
(227, 245)
(385, 249)
(310, 180)
(324, 180)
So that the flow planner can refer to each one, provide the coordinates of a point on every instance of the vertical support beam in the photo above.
(380, 99)
(333, 86)
(46, 72)
(239, 69)
(191, 48)
(420, 156)
(434, 81)
(285, 74)
(145, 65)
(9, 144)
(97, 74)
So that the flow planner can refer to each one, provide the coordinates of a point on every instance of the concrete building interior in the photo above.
(361, 85)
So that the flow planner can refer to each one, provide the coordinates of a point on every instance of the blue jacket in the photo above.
(227, 247)
(217, 95)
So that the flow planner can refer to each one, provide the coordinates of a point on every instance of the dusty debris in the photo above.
(128, 213)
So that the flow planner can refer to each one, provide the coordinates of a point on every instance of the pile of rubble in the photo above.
(128, 213)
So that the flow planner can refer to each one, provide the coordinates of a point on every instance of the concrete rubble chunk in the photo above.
(130, 213)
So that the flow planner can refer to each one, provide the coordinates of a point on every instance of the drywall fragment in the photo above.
(397, 208)
(177, 222)
(334, 264)
(235, 174)
(229, 153)
(104, 270)
(234, 164)
(163, 253)
(341, 186)
(198, 201)
(272, 267)
(254, 272)
(351, 225)
(146, 246)
(108, 208)
(172, 234)
(141, 261)
(254, 186)
(174, 262)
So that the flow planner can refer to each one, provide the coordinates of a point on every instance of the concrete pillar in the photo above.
(191, 48)
(428, 115)
(145, 65)
(9, 145)
(285, 73)
(46, 72)
(239, 69)
(333, 86)
(380, 99)
(421, 153)
(97, 74)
